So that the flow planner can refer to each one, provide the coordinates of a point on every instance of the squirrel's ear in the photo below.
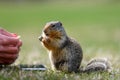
(60, 23)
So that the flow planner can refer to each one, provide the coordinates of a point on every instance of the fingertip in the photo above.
(14, 34)
(13, 40)
(20, 43)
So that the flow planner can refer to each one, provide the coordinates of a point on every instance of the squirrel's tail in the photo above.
(99, 64)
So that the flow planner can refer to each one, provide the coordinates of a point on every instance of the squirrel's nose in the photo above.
(40, 38)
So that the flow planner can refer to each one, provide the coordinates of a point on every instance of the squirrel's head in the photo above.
(53, 33)
(54, 30)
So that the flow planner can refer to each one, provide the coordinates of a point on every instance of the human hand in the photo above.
(9, 47)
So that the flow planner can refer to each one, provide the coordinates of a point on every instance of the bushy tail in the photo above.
(99, 64)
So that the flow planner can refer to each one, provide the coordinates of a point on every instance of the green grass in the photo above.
(50, 75)
(94, 25)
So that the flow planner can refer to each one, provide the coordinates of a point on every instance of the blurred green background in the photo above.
(95, 24)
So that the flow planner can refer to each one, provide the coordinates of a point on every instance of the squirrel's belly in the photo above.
(59, 60)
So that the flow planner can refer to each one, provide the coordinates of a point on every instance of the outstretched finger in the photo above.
(9, 41)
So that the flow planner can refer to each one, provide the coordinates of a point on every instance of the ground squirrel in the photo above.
(64, 52)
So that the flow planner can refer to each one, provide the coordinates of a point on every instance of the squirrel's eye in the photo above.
(53, 25)
(47, 34)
